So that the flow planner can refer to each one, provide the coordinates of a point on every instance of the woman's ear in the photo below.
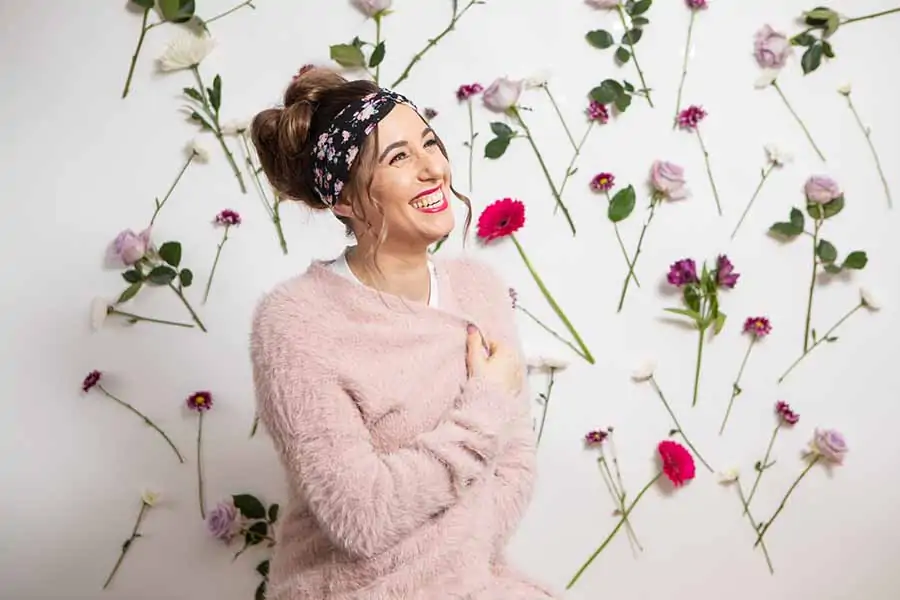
(343, 209)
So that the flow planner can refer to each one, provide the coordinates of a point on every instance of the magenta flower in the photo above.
(468, 90)
(228, 218)
(596, 437)
(683, 272)
(200, 402)
(759, 327)
(725, 275)
(92, 379)
(598, 112)
(690, 117)
(784, 411)
(603, 182)
(697, 4)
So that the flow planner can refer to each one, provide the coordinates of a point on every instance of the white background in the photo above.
(80, 164)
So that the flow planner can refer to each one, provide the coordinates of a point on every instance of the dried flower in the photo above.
(466, 91)
(597, 112)
(759, 327)
(683, 272)
(677, 462)
(502, 94)
(729, 476)
(690, 117)
(235, 126)
(603, 182)
(186, 50)
(725, 275)
(771, 48)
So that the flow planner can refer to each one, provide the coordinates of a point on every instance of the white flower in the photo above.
(235, 126)
(869, 299)
(537, 80)
(542, 363)
(150, 497)
(502, 94)
(99, 311)
(729, 476)
(185, 51)
(777, 156)
(644, 371)
(845, 89)
(767, 78)
(195, 147)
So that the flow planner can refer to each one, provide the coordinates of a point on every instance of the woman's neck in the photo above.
(403, 274)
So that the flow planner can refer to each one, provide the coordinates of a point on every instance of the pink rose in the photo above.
(771, 48)
(668, 179)
(502, 94)
(372, 7)
(830, 444)
(821, 189)
(222, 522)
(602, 3)
(128, 247)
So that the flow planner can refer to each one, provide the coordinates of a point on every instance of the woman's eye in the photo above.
(431, 142)
(397, 157)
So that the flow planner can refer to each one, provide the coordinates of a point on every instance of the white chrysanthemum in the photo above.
(869, 299)
(235, 126)
(766, 79)
(99, 311)
(777, 156)
(845, 89)
(644, 371)
(543, 363)
(195, 147)
(729, 476)
(185, 51)
(150, 497)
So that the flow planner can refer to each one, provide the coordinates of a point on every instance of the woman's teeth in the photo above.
(432, 199)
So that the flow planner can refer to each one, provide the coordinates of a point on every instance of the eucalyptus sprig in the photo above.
(632, 17)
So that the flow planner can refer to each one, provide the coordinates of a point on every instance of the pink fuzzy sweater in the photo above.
(406, 479)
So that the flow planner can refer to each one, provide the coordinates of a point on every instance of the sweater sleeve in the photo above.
(364, 500)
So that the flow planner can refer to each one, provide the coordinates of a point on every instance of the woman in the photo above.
(391, 384)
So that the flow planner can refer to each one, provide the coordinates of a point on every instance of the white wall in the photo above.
(80, 164)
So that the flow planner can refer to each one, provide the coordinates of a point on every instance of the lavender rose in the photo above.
(668, 179)
(502, 94)
(821, 189)
(222, 521)
(372, 7)
(129, 247)
(771, 48)
(830, 444)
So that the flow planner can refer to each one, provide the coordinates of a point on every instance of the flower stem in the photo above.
(684, 67)
(871, 16)
(712, 181)
(145, 419)
(868, 135)
(622, 247)
(187, 305)
(762, 180)
(514, 111)
(377, 41)
(735, 387)
(215, 264)
(819, 341)
(634, 57)
(159, 204)
(126, 546)
(812, 284)
(471, 140)
(613, 532)
(144, 29)
(678, 425)
(434, 41)
(763, 465)
(633, 261)
(550, 381)
(271, 210)
(217, 129)
(570, 170)
(586, 354)
(753, 525)
(618, 493)
(702, 332)
(134, 318)
(780, 508)
(255, 425)
(562, 120)
(547, 328)
(200, 494)
(231, 10)
(800, 121)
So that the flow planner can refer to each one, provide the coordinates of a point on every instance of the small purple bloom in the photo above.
(430, 113)
(690, 117)
(513, 296)
(830, 444)
(725, 275)
(597, 112)
(596, 437)
(200, 401)
(757, 326)
(222, 520)
(228, 218)
(92, 379)
(697, 4)
(683, 272)
(603, 182)
(468, 90)
(786, 413)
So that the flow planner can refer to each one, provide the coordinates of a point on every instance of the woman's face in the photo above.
(411, 182)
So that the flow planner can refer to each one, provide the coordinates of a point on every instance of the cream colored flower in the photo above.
(539, 79)
(195, 147)
(777, 156)
(869, 299)
(99, 311)
(543, 363)
(186, 50)
(767, 78)
(150, 497)
(845, 89)
(729, 476)
(645, 371)
(235, 126)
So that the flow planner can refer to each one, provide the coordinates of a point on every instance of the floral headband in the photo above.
(336, 148)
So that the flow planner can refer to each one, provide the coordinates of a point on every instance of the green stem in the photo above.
(764, 464)
(622, 248)
(187, 304)
(819, 341)
(126, 546)
(765, 176)
(854, 20)
(812, 284)
(712, 181)
(678, 425)
(799, 120)
(144, 29)
(781, 506)
(550, 382)
(570, 169)
(618, 494)
(735, 387)
(515, 113)
(556, 308)
(273, 209)
(753, 525)
(133, 317)
(562, 120)
(471, 141)
(231, 10)
(255, 425)
(613, 532)
(684, 67)
(377, 41)
(868, 135)
(637, 253)
(146, 420)
(215, 264)
(634, 57)
(547, 328)
(217, 129)
(165, 199)
(200, 494)
(434, 41)
(700, 340)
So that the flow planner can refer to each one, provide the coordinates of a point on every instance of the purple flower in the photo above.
(786, 413)
(222, 521)
(830, 444)
(513, 296)
(430, 113)
(683, 272)
(92, 379)
(503, 94)
(771, 48)
(603, 182)
(200, 401)
(596, 437)
(757, 326)
(130, 247)
(690, 117)
(227, 218)
(725, 275)
(697, 4)
(668, 180)
(468, 90)
(597, 112)
(821, 189)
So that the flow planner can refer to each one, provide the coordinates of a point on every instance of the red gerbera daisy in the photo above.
(500, 219)
(677, 462)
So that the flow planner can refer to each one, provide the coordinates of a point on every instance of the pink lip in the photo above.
(426, 192)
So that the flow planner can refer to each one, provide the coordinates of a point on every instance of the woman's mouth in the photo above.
(432, 202)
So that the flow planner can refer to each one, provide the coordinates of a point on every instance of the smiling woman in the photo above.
(391, 383)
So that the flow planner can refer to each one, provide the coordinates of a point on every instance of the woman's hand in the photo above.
(493, 361)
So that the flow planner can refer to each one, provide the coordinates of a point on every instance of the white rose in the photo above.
(502, 94)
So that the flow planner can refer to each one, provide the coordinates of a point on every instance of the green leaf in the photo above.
(628, 87)
(496, 147)
(719, 323)
(788, 230)
(639, 8)
(623, 102)
(815, 210)
(193, 94)
(501, 129)
(826, 251)
(635, 35)
(256, 533)
(132, 276)
(827, 49)
(834, 207)
(203, 122)
(130, 292)
(832, 268)
(691, 297)
(685, 312)
(377, 55)
(249, 506)
(640, 21)
(803, 39)
(263, 568)
(797, 219)
(623, 55)
(856, 260)
(177, 11)
(145, 4)
(347, 55)
(600, 38)
(607, 91)
(171, 253)
(819, 16)
(260, 593)
(161, 275)
(811, 58)
(215, 96)
(186, 277)
(621, 205)
(273, 513)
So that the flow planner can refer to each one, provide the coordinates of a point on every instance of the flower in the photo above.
(596, 437)
(430, 113)
(99, 312)
(513, 296)
(129, 247)
(786, 413)
(200, 401)
(845, 89)
(729, 476)
(771, 48)
(235, 126)
(468, 90)
(370, 8)
(185, 51)
(195, 148)
(677, 462)
(502, 94)
(92, 379)
(546, 363)
(766, 78)
(697, 4)
(868, 299)
(690, 117)
(821, 189)
(228, 218)
(150, 497)
(668, 180)
(758, 326)
(725, 275)
(500, 219)
(683, 272)
(830, 444)
(222, 521)
(644, 371)
(603, 182)
(602, 4)
(597, 112)
(777, 156)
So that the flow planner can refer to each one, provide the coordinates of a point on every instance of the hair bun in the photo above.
(310, 84)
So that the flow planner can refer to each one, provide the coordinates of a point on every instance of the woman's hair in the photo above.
(284, 140)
